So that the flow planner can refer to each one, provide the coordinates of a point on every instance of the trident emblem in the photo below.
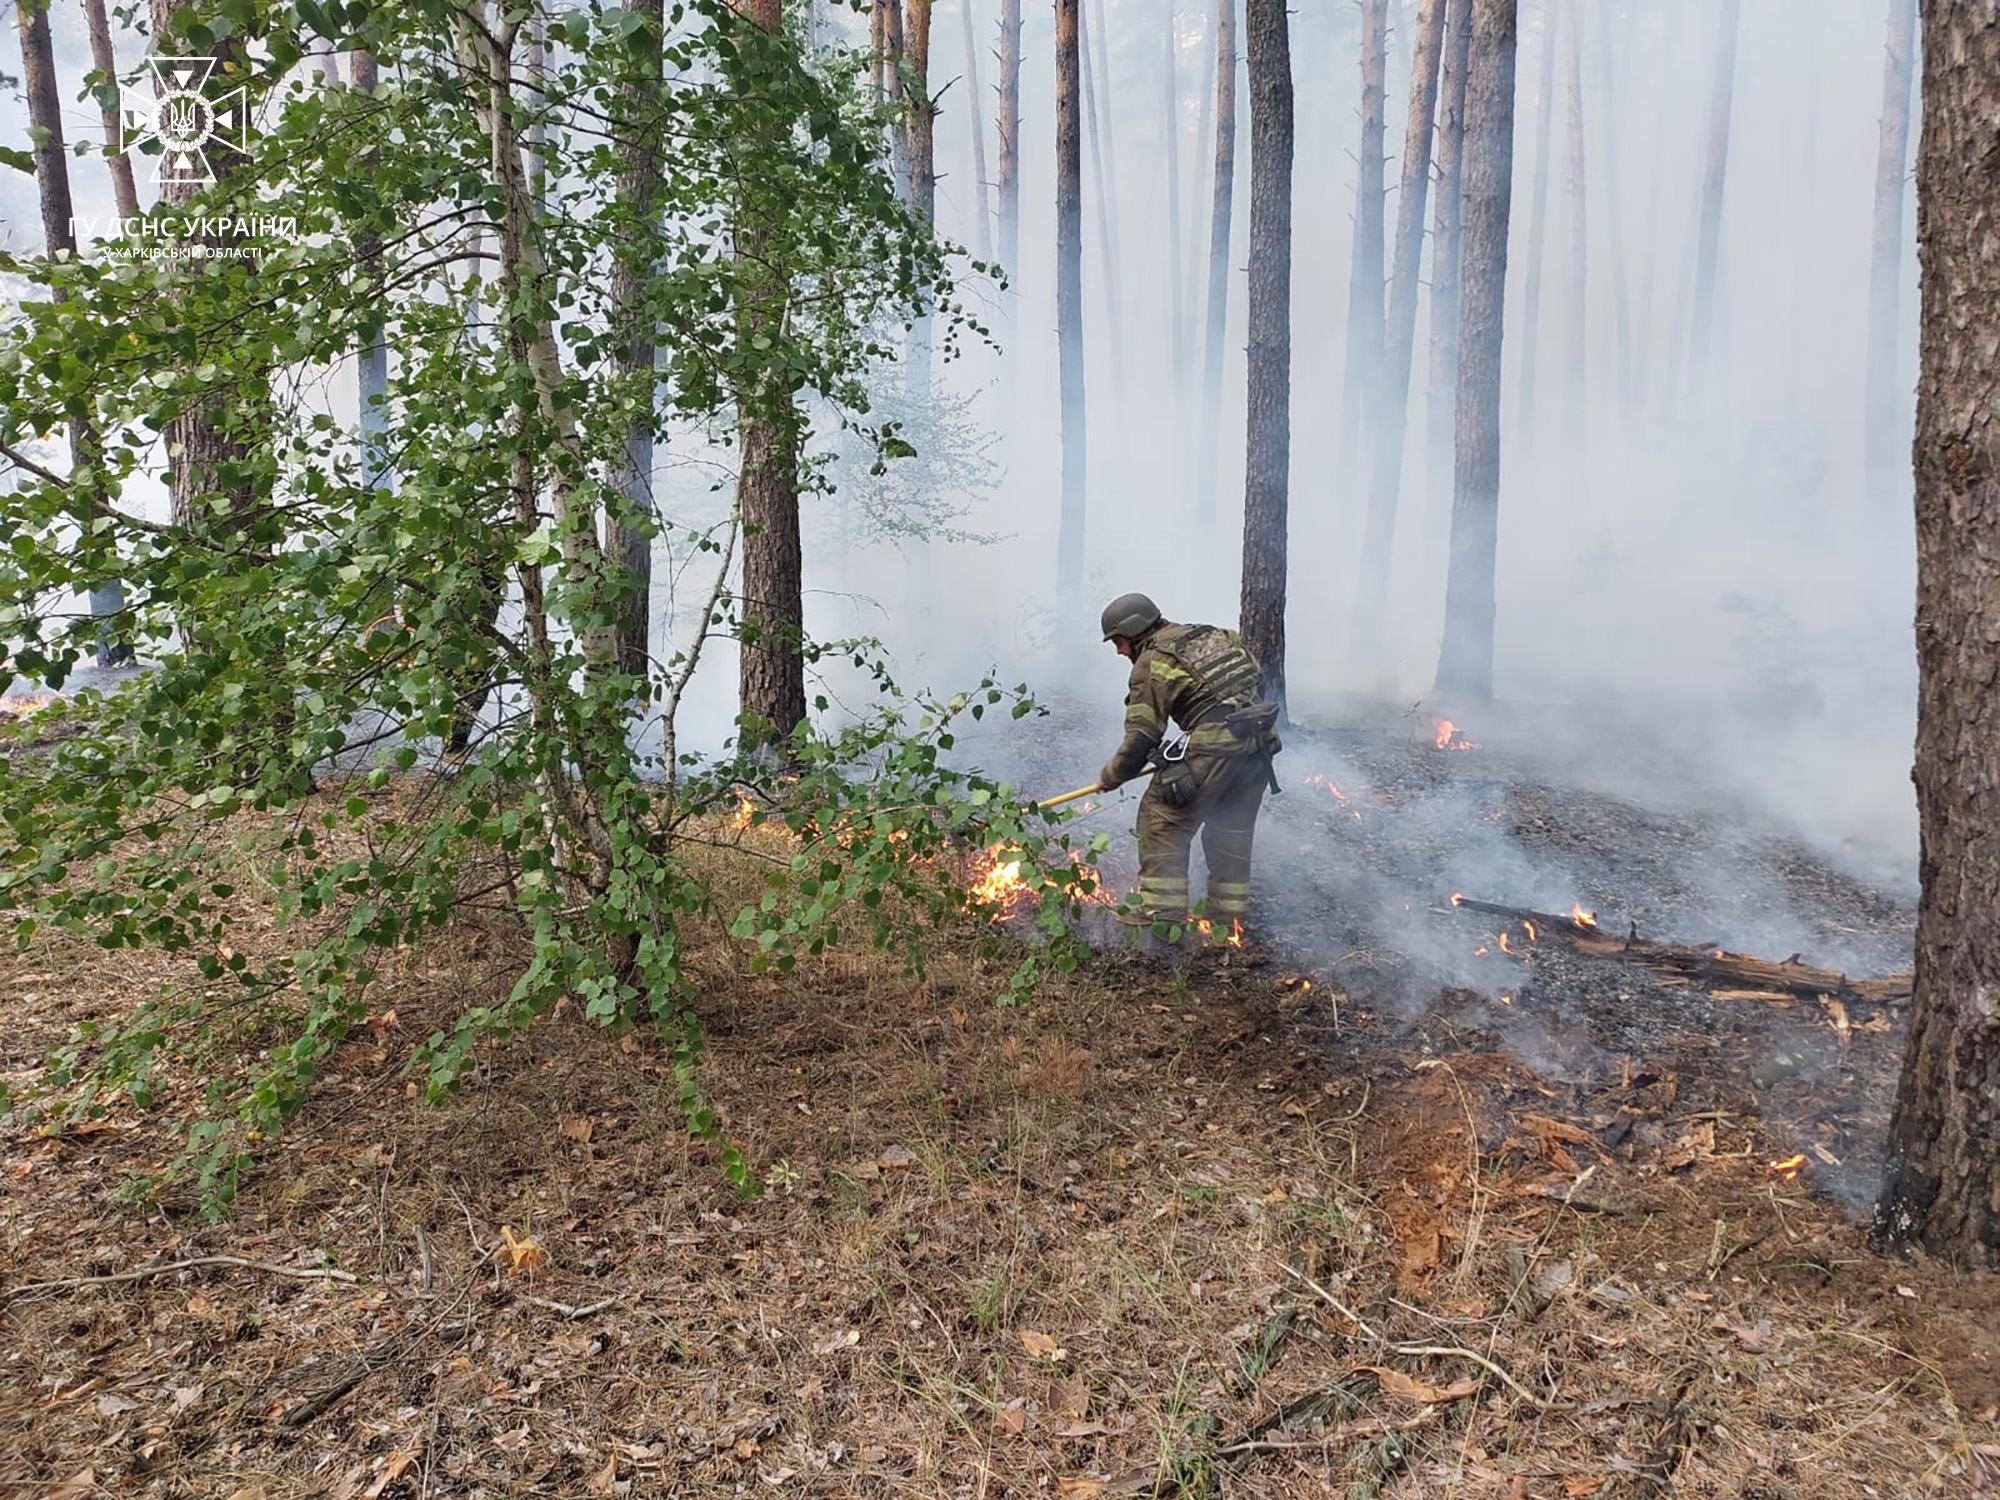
(185, 116)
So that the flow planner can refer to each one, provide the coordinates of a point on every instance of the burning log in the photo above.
(1739, 972)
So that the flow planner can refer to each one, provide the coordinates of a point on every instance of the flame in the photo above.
(1206, 928)
(745, 808)
(1481, 950)
(1449, 738)
(1505, 946)
(1531, 928)
(1581, 917)
(1787, 1170)
(1457, 898)
(24, 704)
(1506, 999)
(1000, 884)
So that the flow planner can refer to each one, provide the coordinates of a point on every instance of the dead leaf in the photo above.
(776, 1478)
(377, 1155)
(605, 1480)
(76, 1487)
(748, 1447)
(112, 1405)
(580, 1129)
(521, 1254)
(840, 1341)
(895, 1159)
(1010, 1420)
(1080, 1485)
(873, 1455)
(1082, 1430)
(1409, 1388)
(1040, 1345)
(393, 1468)
(1756, 1339)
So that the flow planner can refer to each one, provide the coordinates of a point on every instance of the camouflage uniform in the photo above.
(1195, 675)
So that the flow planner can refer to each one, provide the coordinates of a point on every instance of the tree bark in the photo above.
(105, 61)
(628, 538)
(919, 115)
(1390, 427)
(1170, 127)
(1708, 249)
(38, 76)
(1887, 450)
(1575, 386)
(1218, 261)
(771, 679)
(1007, 128)
(1538, 226)
(1608, 174)
(1445, 254)
(1204, 190)
(1107, 242)
(887, 15)
(1943, 1181)
(1465, 663)
(1267, 459)
(373, 363)
(1069, 305)
(1365, 278)
(982, 227)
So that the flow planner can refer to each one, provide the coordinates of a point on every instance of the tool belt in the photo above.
(1256, 725)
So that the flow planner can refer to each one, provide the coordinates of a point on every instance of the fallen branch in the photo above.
(573, 1313)
(303, 1273)
(1706, 962)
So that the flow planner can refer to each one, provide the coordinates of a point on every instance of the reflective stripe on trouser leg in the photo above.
(1227, 833)
(1166, 837)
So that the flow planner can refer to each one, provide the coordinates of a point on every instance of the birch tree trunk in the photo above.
(982, 226)
(1267, 457)
(1943, 1178)
(1445, 237)
(1886, 448)
(1708, 250)
(1218, 260)
(373, 362)
(1465, 663)
(1069, 306)
(1365, 279)
(1391, 424)
(1204, 191)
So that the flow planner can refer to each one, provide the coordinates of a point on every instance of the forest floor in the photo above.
(1359, 1211)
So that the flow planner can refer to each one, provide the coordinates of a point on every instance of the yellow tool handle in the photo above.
(1082, 791)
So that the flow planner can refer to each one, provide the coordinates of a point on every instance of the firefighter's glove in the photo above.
(1108, 779)
(1176, 784)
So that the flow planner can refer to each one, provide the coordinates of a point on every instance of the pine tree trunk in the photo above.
(771, 679)
(1390, 426)
(1267, 458)
(1465, 663)
(1943, 1181)
(104, 60)
(1887, 449)
(1170, 129)
(1069, 305)
(1107, 245)
(373, 363)
(1445, 257)
(627, 541)
(1007, 128)
(1365, 279)
(1575, 386)
(889, 72)
(982, 226)
(1218, 261)
(1538, 227)
(1204, 190)
(1708, 250)
(38, 77)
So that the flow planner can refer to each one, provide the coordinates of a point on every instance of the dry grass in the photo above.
(1097, 1247)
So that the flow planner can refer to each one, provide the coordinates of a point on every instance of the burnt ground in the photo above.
(1356, 1210)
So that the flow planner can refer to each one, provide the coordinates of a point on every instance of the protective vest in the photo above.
(1214, 674)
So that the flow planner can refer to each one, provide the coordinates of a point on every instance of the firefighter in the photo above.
(1202, 678)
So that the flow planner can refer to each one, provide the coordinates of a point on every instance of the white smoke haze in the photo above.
(1702, 604)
